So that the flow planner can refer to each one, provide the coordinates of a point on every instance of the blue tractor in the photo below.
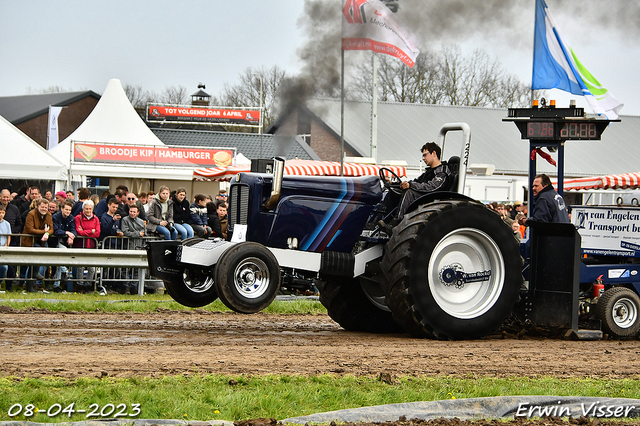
(451, 269)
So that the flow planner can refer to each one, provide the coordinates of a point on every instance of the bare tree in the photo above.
(50, 89)
(138, 97)
(446, 77)
(246, 93)
(397, 82)
(174, 95)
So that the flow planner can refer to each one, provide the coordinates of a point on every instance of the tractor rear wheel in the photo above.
(619, 310)
(195, 289)
(453, 271)
(349, 305)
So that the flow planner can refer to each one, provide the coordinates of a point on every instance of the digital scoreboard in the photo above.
(556, 124)
(563, 130)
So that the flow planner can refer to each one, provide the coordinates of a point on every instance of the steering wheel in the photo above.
(394, 184)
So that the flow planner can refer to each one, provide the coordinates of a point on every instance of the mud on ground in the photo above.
(37, 343)
(42, 343)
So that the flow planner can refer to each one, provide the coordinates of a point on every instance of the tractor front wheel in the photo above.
(247, 277)
(195, 289)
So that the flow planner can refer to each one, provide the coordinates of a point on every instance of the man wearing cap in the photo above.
(60, 197)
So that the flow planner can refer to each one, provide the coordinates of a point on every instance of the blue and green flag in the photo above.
(556, 66)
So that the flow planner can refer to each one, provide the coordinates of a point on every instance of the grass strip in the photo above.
(214, 397)
(57, 302)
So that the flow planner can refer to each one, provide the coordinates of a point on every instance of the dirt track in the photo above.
(72, 345)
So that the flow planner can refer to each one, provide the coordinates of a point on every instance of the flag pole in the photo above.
(341, 112)
(374, 108)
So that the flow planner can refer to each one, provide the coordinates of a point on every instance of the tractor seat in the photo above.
(454, 167)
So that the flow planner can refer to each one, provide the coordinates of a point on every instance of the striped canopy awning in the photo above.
(301, 168)
(621, 181)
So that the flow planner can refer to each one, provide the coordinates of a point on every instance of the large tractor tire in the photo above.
(195, 289)
(247, 277)
(347, 304)
(619, 310)
(453, 271)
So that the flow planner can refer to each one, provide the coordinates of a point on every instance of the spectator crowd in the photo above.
(119, 220)
(510, 214)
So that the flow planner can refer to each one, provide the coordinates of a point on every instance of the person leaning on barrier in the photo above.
(110, 221)
(39, 224)
(5, 240)
(133, 227)
(13, 217)
(64, 233)
(88, 226)
(64, 225)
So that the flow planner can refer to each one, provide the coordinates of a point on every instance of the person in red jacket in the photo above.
(87, 226)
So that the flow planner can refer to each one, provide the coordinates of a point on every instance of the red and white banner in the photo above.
(195, 115)
(151, 155)
(301, 168)
(370, 25)
(621, 181)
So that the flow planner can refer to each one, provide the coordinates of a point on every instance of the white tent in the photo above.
(23, 158)
(115, 121)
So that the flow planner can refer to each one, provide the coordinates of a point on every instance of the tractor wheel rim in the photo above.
(251, 278)
(197, 281)
(624, 313)
(466, 273)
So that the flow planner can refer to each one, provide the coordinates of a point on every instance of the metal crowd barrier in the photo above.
(114, 275)
(106, 260)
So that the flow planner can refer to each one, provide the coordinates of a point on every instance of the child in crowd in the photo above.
(5, 240)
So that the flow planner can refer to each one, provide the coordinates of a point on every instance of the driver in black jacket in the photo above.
(435, 178)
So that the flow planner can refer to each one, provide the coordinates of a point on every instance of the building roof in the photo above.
(18, 109)
(403, 128)
(201, 94)
(246, 143)
(114, 121)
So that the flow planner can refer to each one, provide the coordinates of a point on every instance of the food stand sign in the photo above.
(151, 155)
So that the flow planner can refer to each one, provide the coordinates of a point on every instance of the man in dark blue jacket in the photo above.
(548, 205)
(110, 222)
(64, 232)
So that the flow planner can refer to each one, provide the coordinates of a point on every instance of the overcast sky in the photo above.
(80, 44)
